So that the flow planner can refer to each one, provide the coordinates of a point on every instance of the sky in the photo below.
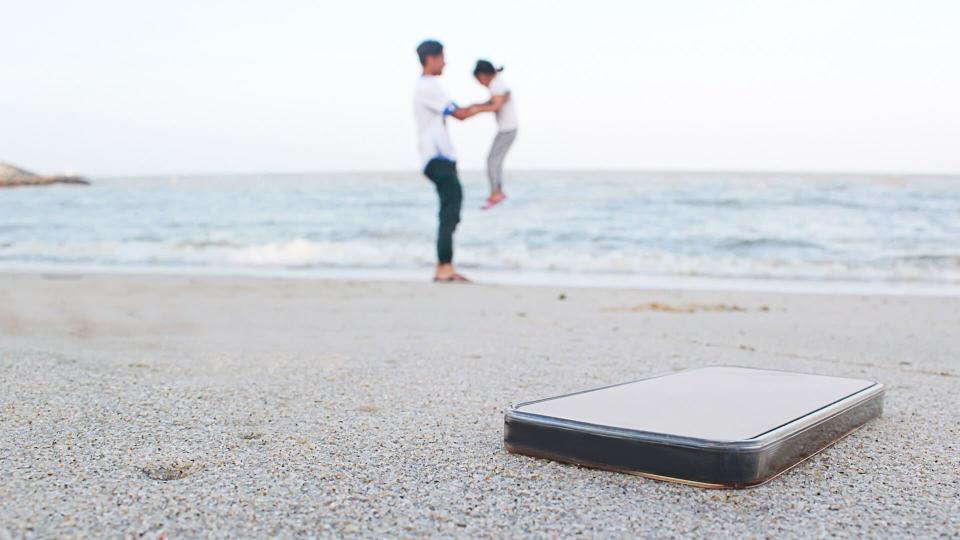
(115, 88)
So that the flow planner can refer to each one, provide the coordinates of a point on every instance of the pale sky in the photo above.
(175, 87)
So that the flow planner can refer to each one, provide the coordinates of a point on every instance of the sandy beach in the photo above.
(222, 407)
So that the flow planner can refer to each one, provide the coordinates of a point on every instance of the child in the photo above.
(503, 105)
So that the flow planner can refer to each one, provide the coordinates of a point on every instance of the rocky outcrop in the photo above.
(11, 176)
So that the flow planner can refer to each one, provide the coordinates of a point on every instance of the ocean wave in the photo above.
(934, 259)
(768, 243)
(203, 244)
(717, 203)
(362, 253)
(306, 253)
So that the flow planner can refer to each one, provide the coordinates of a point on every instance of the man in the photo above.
(431, 107)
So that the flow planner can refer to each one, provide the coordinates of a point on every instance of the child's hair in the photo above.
(486, 67)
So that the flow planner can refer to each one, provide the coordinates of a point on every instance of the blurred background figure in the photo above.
(503, 104)
(431, 107)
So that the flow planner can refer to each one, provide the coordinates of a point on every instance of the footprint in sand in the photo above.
(171, 468)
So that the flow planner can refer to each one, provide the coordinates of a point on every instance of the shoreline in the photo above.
(513, 279)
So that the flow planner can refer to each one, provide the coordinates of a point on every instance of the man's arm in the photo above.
(435, 100)
(462, 113)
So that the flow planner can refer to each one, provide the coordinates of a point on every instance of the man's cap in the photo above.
(486, 66)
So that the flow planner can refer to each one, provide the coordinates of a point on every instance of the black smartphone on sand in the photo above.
(720, 426)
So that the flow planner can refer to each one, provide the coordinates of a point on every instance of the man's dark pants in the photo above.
(443, 174)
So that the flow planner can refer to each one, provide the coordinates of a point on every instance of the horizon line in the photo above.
(785, 172)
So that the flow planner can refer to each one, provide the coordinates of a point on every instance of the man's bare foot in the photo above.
(446, 273)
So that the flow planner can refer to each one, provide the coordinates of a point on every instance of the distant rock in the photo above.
(11, 176)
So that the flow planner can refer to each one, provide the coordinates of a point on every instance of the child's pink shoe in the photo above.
(493, 201)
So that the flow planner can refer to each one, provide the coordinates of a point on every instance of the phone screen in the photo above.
(713, 403)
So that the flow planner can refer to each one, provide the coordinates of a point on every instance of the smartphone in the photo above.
(718, 426)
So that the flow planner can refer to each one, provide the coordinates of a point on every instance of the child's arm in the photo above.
(494, 105)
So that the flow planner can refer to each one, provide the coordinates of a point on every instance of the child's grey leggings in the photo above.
(501, 144)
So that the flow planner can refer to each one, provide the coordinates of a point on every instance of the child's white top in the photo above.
(507, 115)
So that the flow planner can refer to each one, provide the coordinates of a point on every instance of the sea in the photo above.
(702, 230)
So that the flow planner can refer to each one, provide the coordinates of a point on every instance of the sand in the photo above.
(228, 407)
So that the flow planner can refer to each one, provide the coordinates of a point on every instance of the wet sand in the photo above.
(223, 407)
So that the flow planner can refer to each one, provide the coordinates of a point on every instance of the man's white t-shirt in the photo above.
(431, 106)
(507, 115)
